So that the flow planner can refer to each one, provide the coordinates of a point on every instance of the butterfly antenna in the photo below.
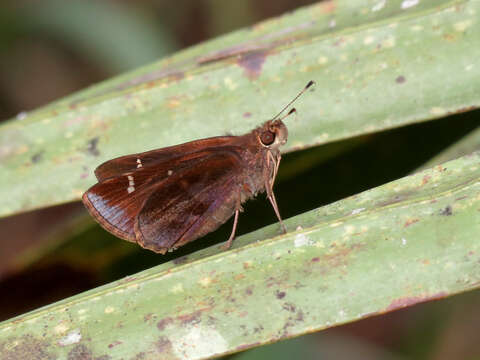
(310, 83)
(293, 110)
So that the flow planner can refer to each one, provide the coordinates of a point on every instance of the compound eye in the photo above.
(267, 138)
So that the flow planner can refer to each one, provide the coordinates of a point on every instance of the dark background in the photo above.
(49, 49)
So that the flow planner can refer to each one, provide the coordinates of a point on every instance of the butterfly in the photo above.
(165, 198)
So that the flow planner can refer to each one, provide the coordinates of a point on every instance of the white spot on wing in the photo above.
(131, 184)
(169, 172)
(139, 163)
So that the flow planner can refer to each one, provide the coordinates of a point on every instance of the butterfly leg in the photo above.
(238, 209)
(273, 201)
(232, 235)
(269, 186)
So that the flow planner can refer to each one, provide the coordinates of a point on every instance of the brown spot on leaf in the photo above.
(449, 37)
(252, 63)
(315, 259)
(278, 281)
(464, 109)
(299, 317)
(246, 346)
(328, 7)
(239, 277)
(280, 294)
(410, 222)
(400, 79)
(25, 347)
(447, 211)
(339, 255)
(339, 42)
(163, 345)
(152, 78)
(426, 179)
(92, 147)
(140, 356)
(36, 158)
(115, 343)
(247, 114)
(396, 199)
(192, 318)
(258, 329)
(243, 314)
(148, 318)
(289, 307)
(412, 300)
(80, 352)
(128, 279)
(284, 333)
(162, 324)
(103, 357)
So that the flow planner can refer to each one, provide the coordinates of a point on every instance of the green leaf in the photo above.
(377, 65)
(123, 38)
(402, 243)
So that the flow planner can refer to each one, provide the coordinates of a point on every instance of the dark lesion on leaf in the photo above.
(447, 211)
(37, 157)
(252, 63)
(280, 294)
(92, 146)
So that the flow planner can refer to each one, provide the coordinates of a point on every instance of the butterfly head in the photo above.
(273, 134)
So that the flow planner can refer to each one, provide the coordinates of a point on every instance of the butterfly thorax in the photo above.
(261, 156)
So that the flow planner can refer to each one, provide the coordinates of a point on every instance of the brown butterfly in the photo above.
(165, 198)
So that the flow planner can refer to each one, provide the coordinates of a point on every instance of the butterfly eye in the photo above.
(267, 137)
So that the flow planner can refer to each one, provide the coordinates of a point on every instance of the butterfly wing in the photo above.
(115, 202)
(129, 163)
(191, 204)
(168, 204)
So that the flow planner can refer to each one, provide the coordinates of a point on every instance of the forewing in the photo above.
(115, 202)
(190, 204)
(165, 156)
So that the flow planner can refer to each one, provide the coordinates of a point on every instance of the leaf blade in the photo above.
(408, 241)
(47, 157)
